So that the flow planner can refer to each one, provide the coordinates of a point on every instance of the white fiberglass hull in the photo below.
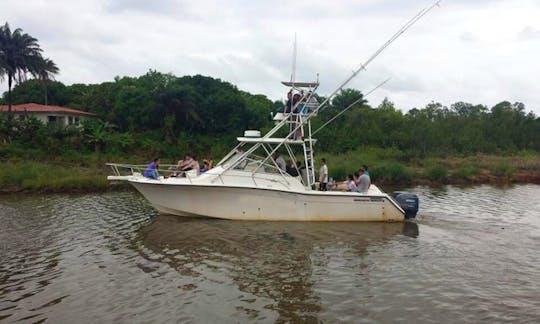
(249, 203)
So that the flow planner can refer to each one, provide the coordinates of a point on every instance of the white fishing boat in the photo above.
(250, 184)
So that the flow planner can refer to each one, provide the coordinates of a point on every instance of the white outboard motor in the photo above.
(408, 202)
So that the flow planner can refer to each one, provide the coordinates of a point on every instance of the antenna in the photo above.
(293, 73)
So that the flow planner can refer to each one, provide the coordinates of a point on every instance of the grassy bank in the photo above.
(51, 177)
(390, 166)
(77, 173)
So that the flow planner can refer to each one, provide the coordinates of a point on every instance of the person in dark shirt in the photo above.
(151, 170)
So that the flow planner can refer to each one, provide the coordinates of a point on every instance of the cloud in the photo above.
(529, 33)
(462, 51)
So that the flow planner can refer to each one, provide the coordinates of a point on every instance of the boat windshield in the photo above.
(251, 162)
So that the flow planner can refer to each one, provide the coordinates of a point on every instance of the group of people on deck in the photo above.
(360, 181)
(288, 166)
(188, 163)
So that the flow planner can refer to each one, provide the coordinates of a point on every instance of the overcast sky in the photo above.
(478, 51)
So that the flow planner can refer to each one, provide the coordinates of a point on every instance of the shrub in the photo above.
(465, 172)
(437, 172)
(503, 169)
(41, 176)
(391, 171)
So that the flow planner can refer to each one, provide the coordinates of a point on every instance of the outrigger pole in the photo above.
(363, 66)
(350, 106)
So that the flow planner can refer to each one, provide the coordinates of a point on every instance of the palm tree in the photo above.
(47, 70)
(20, 55)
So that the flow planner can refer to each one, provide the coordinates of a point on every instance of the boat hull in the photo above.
(244, 203)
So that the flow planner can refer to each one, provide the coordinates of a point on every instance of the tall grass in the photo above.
(382, 163)
(464, 172)
(39, 176)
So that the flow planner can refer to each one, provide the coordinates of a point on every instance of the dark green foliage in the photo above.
(163, 115)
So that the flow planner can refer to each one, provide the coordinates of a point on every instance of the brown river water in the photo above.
(472, 255)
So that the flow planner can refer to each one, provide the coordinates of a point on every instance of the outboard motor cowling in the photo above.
(408, 202)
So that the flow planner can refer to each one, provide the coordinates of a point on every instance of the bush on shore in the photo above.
(39, 176)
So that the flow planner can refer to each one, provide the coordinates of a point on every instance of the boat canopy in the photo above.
(270, 140)
(300, 84)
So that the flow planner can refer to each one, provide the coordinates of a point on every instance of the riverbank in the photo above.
(389, 167)
(18, 176)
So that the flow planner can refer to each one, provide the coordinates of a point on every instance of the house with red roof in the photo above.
(54, 115)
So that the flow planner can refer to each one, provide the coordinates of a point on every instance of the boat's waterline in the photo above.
(248, 203)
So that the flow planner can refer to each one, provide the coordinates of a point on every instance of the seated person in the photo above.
(186, 164)
(280, 161)
(351, 186)
(363, 181)
(151, 170)
(193, 164)
(207, 165)
(177, 170)
(291, 170)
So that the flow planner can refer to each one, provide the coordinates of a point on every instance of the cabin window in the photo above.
(52, 119)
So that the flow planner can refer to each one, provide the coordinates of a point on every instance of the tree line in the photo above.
(167, 115)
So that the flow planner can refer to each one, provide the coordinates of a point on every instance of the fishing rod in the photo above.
(364, 65)
(350, 106)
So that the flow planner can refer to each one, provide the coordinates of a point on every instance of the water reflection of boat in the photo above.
(251, 183)
(270, 261)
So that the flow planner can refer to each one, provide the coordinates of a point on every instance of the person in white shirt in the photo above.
(351, 186)
(323, 175)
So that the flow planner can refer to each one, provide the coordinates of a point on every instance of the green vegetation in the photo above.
(172, 116)
(392, 167)
(47, 177)
(437, 172)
